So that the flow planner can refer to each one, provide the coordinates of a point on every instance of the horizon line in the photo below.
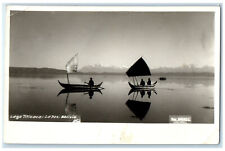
(189, 66)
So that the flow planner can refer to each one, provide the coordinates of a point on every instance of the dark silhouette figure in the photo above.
(149, 81)
(91, 82)
(149, 94)
(142, 82)
(142, 94)
(90, 93)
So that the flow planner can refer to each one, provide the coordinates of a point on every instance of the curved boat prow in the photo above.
(100, 84)
(155, 83)
(131, 85)
(60, 83)
(60, 92)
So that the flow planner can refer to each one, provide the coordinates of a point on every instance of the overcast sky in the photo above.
(50, 39)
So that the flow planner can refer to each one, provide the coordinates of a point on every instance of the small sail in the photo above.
(139, 68)
(72, 64)
(140, 109)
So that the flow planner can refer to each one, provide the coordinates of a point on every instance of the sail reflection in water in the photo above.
(70, 109)
(139, 108)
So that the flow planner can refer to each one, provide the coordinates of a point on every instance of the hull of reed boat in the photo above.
(80, 86)
(147, 87)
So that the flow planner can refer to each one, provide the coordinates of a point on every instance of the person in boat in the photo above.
(149, 81)
(91, 82)
(142, 82)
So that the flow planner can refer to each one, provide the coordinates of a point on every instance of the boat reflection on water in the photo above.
(71, 108)
(139, 108)
(90, 92)
(142, 92)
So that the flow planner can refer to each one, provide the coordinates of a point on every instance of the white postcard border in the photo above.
(113, 133)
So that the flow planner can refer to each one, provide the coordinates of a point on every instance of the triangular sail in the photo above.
(72, 64)
(139, 68)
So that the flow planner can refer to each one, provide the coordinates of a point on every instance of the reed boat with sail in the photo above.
(71, 67)
(138, 69)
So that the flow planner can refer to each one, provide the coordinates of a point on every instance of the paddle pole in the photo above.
(67, 78)
(136, 80)
(136, 95)
(67, 97)
(133, 95)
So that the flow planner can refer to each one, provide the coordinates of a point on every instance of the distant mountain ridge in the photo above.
(102, 69)
(182, 69)
(98, 69)
(14, 71)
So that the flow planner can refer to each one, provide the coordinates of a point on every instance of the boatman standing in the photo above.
(91, 82)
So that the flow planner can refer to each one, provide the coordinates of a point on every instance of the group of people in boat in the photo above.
(142, 83)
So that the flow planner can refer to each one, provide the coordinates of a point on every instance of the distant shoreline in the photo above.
(23, 71)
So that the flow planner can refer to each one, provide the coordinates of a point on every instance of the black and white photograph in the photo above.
(128, 67)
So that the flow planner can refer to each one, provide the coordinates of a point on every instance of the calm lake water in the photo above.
(35, 99)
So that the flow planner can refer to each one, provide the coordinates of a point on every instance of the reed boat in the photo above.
(140, 87)
(80, 86)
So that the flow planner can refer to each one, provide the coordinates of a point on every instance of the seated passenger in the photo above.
(142, 82)
(149, 81)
